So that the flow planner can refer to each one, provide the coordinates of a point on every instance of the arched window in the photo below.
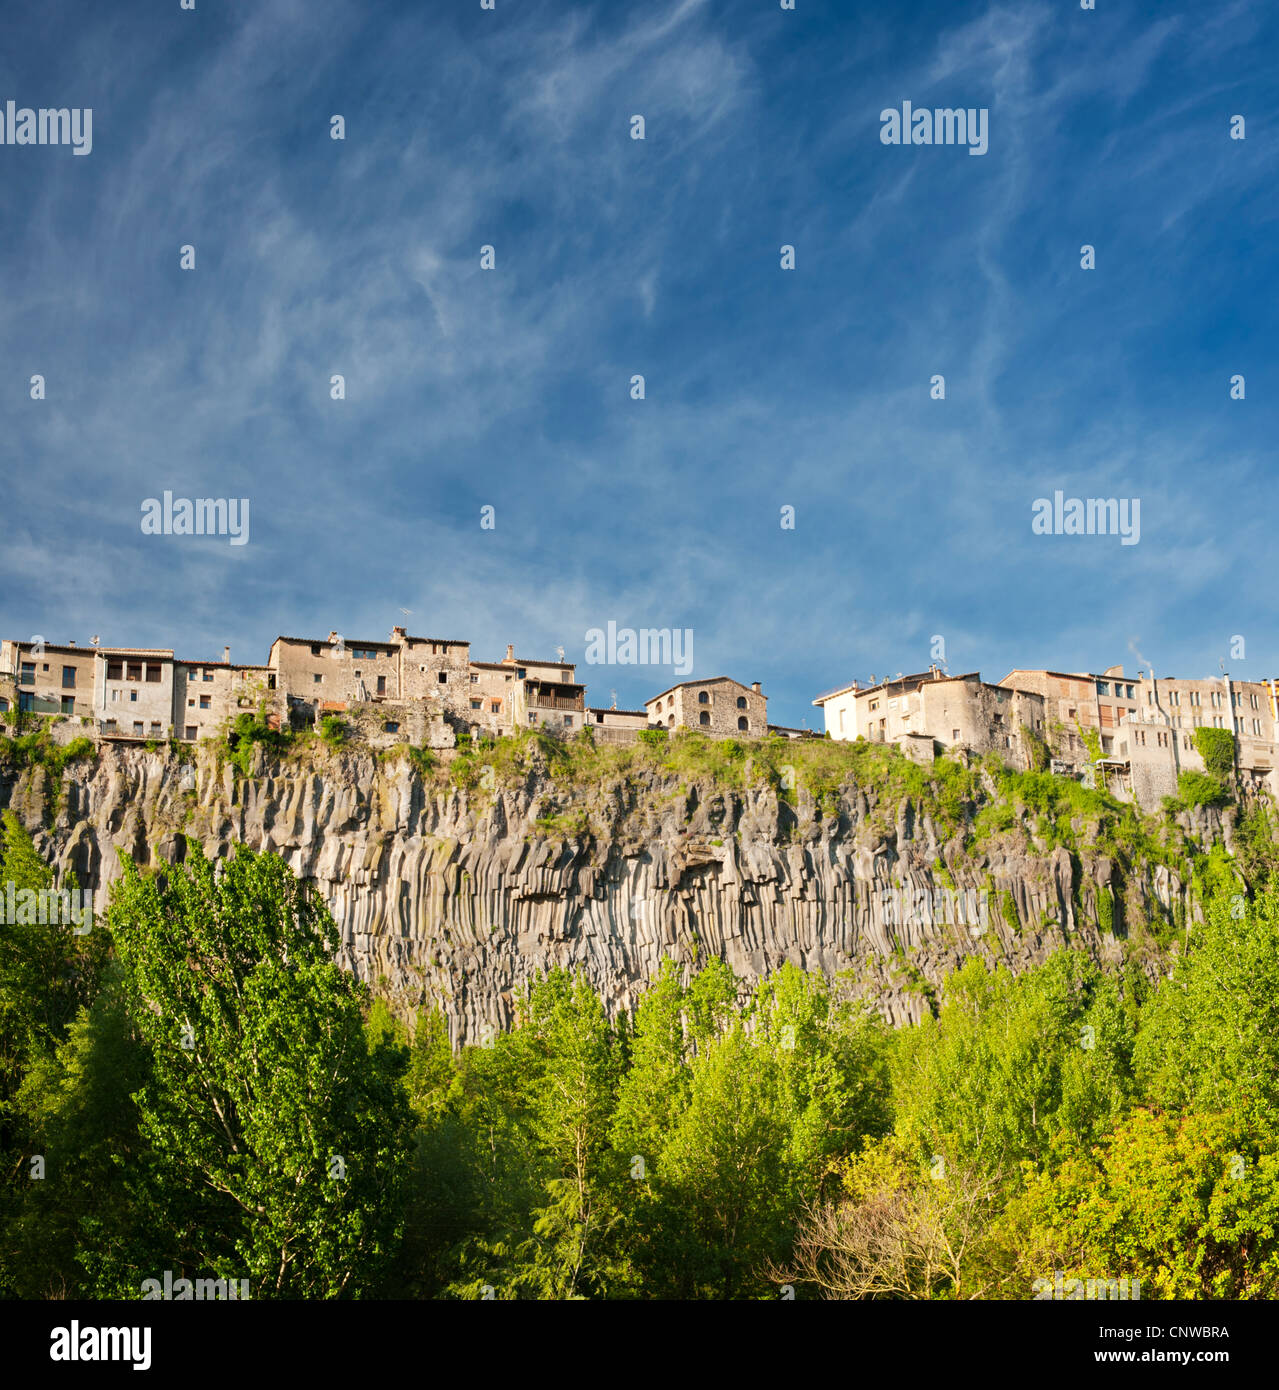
(703, 718)
(670, 721)
(741, 702)
(703, 698)
(741, 723)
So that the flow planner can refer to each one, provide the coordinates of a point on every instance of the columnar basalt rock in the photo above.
(459, 897)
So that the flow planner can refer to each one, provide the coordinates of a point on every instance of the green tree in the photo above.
(276, 1136)
(1209, 1038)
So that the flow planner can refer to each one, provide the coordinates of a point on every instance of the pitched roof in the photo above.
(706, 680)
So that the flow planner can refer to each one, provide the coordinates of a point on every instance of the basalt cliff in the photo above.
(456, 895)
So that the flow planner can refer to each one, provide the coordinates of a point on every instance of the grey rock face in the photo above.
(443, 895)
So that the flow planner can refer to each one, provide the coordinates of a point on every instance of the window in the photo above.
(703, 718)
(154, 673)
(28, 676)
(1194, 697)
(110, 726)
(1236, 698)
(316, 650)
(741, 702)
(1150, 699)
(115, 670)
(703, 698)
(1256, 727)
(137, 728)
(741, 722)
(477, 704)
(208, 674)
(532, 718)
(444, 677)
(521, 672)
(205, 702)
(26, 700)
(1131, 696)
(381, 685)
(363, 654)
(564, 675)
(1174, 698)
(133, 696)
(475, 680)
(391, 727)
(1216, 699)
(954, 735)
(317, 679)
(155, 727)
(1103, 687)
(4, 705)
(133, 671)
(68, 704)
(1252, 701)
(68, 678)
(568, 721)
(496, 707)
(191, 732)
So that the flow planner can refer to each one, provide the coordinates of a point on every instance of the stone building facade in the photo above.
(932, 707)
(206, 694)
(720, 706)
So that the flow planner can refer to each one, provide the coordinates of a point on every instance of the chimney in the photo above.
(398, 634)
(70, 641)
(510, 652)
(226, 656)
(333, 637)
(755, 687)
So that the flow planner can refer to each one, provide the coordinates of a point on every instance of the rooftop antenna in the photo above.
(559, 651)
(93, 641)
(613, 693)
(408, 612)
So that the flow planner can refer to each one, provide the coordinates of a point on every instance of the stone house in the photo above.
(208, 693)
(616, 725)
(526, 692)
(133, 693)
(1156, 742)
(46, 678)
(932, 707)
(719, 706)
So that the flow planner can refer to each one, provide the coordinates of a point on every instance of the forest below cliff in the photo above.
(198, 1085)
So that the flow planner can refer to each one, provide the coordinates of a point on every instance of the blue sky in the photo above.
(764, 388)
